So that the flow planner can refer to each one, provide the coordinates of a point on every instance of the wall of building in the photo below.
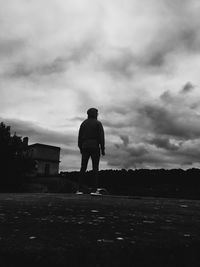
(46, 157)
(47, 168)
(39, 152)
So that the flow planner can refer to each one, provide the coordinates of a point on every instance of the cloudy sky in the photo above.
(138, 62)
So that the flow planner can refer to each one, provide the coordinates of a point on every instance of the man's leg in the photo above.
(95, 167)
(84, 162)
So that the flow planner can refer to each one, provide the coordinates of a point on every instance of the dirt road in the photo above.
(70, 230)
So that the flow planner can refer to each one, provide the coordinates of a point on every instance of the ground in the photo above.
(43, 229)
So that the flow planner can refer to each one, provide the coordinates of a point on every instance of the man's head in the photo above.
(92, 113)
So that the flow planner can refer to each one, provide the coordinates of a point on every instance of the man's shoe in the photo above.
(97, 193)
(79, 192)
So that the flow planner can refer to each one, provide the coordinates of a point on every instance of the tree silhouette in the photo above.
(14, 158)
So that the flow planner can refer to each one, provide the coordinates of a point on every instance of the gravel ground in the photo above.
(44, 229)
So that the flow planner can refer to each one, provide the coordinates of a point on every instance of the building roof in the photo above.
(45, 146)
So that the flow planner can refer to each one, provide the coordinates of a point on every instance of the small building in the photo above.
(47, 158)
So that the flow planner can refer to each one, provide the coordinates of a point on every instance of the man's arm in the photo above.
(102, 139)
(80, 138)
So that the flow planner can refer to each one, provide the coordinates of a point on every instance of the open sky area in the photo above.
(137, 62)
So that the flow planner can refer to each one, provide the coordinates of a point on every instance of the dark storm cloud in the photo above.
(118, 116)
(146, 155)
(8, 47)
(160, 119)
(125, 139)
(162, 49)
(176, 32)
(167, 131)
(120, 64)
(70, 151)
(118, 109)
(78, 118)
(61, 63)
(187, 88)
(115, 124)
(39, 134)
(129, 156)
(24, 69)
(168, 40)
(190, 151)
(137, 150)
(156, 55)
(165, 143)
(166, 97)
(166, 121)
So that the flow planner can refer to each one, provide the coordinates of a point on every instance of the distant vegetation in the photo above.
(14, 158)
(146, 182)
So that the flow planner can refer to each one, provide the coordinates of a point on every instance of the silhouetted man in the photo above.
(91, 143)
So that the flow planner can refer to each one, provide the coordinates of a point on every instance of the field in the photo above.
(42, 229)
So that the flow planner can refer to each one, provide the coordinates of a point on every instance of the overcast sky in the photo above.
(136, 61)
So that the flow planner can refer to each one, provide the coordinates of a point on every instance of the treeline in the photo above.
(14, 159)
(146, 182)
